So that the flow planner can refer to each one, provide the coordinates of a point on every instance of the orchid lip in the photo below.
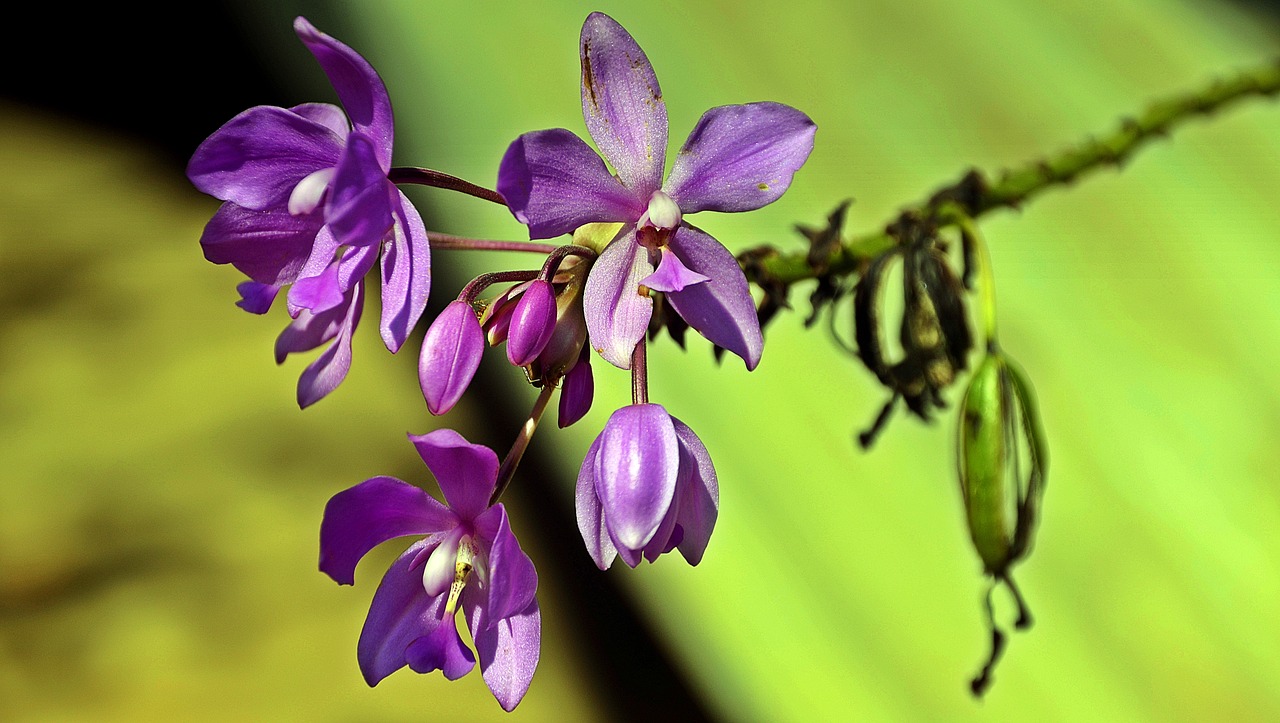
(465, 563)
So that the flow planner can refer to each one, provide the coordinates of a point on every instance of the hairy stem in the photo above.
(448, 241)
(512, 460)
(437, 179)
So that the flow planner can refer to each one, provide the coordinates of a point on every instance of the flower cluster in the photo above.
(311, 201)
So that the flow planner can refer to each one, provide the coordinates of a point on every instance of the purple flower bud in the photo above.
(450, 356)
(576, 391)
(532, 323)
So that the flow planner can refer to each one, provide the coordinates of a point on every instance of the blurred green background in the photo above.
(161, 493)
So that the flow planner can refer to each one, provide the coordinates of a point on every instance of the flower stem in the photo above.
(436, 179)
(552, 264)
(512, 460)
(447, 241)
(639, 375)
(484, 281)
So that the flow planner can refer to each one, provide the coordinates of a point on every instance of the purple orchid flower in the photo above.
(469, 557)
(738, 158)
(308, 203)
(647, 486)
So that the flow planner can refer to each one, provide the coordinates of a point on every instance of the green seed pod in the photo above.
(1002, 466)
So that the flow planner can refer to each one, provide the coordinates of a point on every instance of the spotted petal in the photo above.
(740, 157)
(622, 104)
(721, 309)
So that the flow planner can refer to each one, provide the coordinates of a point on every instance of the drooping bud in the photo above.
(1003, 462)
(577, 391)
(564, 351)
(450, 356)
(532, 323)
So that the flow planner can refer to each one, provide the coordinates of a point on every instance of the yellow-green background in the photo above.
(160, 492)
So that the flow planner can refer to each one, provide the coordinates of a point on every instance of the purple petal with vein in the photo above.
(699, 495)
(406, 274)
(329, 369)
(636, 468)
(256, 298)
(362, 517)
(269, 247)
(617, 313)
(622, 104)
(359, 207)
(508, 650)
(591, 522)
(442, 650)
(255, 159)
(513, 581)
(740, 157)
(401, 612)
(722, 309)
(554, 182)
(362, 92)
(450, 355)
(326, 114)
(672, 275)
(532, 323)
(577, 391)
(466, 472)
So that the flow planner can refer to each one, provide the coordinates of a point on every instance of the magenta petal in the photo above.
(328, 115)
(362, 517)
(329, 369)
(622, 104)
(450, 355)
(532, 323)
(722, 309)
(740, 157)
(699, 494)
(513, 581)
(256, 298)
(636, 468)
(591, 522)
(508, 650)
(577, 390)
(617, 313)
(359, 206)
(317, 293)
(553, 182)
(466, 472)
(255, 159)
(672, 275)
(442, 650)
(362, 92)
(406, 274)
(401, 612)
(270, 247)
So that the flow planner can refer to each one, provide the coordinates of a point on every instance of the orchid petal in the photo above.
(362, 92)
(270, 247)
(591, 522)
(699, 494)
(441, 649)
(740, 157)
(622, 104)
(401, 612)
(362, 517)
(577, 390)
(326, 114)
(359, 208)
(636, 468)
(310, 191)
(508, 650)
(466, 472)
(329, 369)
(451, 352)
(672, 275)
(722, 309)
(513, 581)
(255, 159)
(532, 323)
(553, 182)
(406, 274)
(441, 565)
(324, 279)
(256, 298)
(617, 312)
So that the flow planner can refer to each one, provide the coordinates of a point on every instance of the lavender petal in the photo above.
(532, 323)
(328, 370)
(591, 522)
(508, 650)
(617, 312)
(721, 309)
(442, 650)
(636, 468)
(451, 352)
(406, 274)
(699, 494)
(256, 298)
(577, 391)
(513, 581)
